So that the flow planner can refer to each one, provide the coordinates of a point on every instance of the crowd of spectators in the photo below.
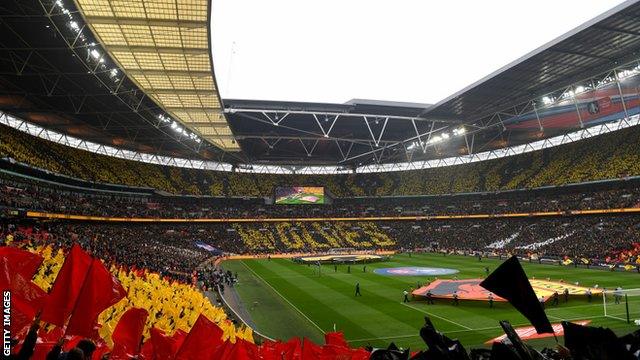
(174, 248)
(608, 156)
(19, 193)
(172, 306)
(166, 253)
(600, 238)
(177, 249)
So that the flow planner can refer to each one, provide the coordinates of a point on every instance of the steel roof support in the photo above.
(624, 105)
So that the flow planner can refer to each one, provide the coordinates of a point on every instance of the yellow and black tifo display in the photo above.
(341, 259)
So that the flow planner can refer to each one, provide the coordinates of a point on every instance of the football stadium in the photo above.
(197, 179)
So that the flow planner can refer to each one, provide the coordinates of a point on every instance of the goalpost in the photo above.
(622, 304)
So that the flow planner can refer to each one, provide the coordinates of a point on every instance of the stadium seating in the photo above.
(607, 156)
(165, 300)
(28, 194)
(172, 249)
(164, 266)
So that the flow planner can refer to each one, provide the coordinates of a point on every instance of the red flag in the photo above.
(101, 350)
(310, 350)
(292, 349)
(241, 350)
(336, 347)
(268, 350)
(26, 300)
(146, 351)
(100, 290)
(128, 333)
(71, 342)
(335, 338)
(223, 352)
(334, 352)
(17, 267)
(249, 348)
(66, 288)
(162, 347)
(202, 342)
(20, 261)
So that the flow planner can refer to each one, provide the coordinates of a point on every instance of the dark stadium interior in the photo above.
(44, 84)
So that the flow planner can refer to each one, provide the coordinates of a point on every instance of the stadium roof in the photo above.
(163, 46)
(610, 39)
(380, 135)
(56, 73)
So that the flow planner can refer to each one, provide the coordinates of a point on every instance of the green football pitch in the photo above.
(286, 299)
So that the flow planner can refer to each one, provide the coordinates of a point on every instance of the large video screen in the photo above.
(300, 195)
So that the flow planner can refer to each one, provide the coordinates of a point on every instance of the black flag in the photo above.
(511, 283)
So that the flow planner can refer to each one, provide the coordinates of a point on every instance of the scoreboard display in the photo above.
(299, 195)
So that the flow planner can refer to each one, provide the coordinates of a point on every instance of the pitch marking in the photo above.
(284, 298)
(436, 316)
(462, 331)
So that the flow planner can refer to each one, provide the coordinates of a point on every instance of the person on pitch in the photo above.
(406, 296)
(358, 289)
(566, 294)
(455, 298)
(589, 294)
(555, 300)
(491, 300)
(429, 298)
(617, 295)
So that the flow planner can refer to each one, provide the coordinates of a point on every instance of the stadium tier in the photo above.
(608, 156)
(162, 244)
(145, 216)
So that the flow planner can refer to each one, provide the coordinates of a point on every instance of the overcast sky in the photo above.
(403, 50)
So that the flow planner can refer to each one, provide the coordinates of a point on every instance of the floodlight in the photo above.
(95, 54)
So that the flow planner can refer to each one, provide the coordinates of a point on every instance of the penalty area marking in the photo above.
(436, 316)
(284, 298)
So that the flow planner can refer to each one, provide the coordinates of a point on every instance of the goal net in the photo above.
(622, 304)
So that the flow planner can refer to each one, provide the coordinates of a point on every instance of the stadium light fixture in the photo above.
(95, 54)
(445, 136)
(74, 25)
(626, 73)
(459, 131)
(547, 100)
(579, 89)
